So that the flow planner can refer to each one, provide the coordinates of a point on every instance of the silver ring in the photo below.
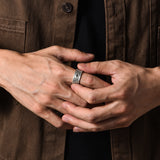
(77, 76)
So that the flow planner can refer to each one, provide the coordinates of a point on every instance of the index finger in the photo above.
(87, 80)
(92, 81)
(95, 96)
(94, 115)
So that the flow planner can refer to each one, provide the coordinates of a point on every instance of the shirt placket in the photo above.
(116, 49)
(64, 25)
(65, 22)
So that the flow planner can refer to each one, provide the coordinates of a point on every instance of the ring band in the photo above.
(77, 76)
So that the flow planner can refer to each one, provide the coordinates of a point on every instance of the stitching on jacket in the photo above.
(12, 20)
(11, 26)
(11, 30)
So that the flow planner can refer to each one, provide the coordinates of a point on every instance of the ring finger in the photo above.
(84, 126)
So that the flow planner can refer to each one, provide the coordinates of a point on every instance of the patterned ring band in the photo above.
(77, 76)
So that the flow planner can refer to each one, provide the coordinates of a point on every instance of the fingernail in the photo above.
(76, 129)
(90, 55)
(82, 65)
(65, 119)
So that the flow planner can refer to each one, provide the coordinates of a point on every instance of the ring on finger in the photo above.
(77, 76)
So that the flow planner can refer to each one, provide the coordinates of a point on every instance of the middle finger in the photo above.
(87, 80)
(94, 115)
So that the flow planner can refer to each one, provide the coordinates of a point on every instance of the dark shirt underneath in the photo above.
(90, 37)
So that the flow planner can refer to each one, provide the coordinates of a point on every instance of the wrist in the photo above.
(155, 73)
(7, 58)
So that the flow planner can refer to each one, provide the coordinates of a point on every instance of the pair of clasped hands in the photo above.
(42, 82)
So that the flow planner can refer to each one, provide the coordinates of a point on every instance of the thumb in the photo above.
(66, 54)
(104, 68)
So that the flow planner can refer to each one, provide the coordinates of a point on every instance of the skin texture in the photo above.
(41, 82)
(134, 91)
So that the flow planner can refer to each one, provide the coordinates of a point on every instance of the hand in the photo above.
(135, 91)
(41, 82)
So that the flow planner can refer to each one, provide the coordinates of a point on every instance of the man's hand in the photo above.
(41, 82)
(135, 91)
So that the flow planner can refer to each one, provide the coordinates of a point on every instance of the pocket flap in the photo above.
(12, 34)
(12, 25)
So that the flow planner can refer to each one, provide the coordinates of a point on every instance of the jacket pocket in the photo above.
(12, 34)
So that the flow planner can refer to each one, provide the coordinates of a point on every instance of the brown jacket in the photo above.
(133, 35)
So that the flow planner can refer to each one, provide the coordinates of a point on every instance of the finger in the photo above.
(95, 96)
(62, 92)
(94, 115)
(104, 68)
(50, 116)
(109, 124)
(87, 80)
(77, 122)
(84, 126)
(54, 119)
(68, 95)
(50, 101)
(67, 54)
(93, 82)
(56, 104)
(41, 111)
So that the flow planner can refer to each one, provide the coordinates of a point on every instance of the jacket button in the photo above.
(67, 7)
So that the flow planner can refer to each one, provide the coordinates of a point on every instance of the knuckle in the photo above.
(59, 71)
(117, 64)
(84, 104)
(94, 128)
(45, 100)
(107, 98)
(69, 94)
(117, 61)
(125, 122)
(89, 80)
(123, 94)
(56, 47)
(75, 51)
(92, 118)
(122, 110)
(55, 88)
(59, 124)
(91, 98)
(46, 114)
(38, 109)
